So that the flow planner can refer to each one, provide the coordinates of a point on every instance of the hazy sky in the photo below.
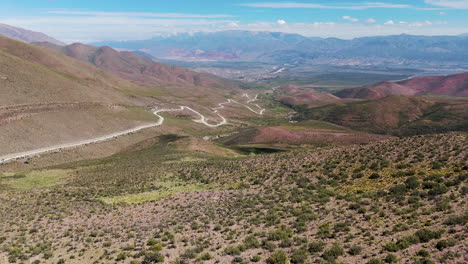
(93, 20)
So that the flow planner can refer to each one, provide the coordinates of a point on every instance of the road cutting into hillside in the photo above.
(201, 120)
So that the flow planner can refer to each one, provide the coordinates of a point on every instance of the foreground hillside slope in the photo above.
(399, 201)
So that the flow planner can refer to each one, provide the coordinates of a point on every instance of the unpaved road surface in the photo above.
(202, 120)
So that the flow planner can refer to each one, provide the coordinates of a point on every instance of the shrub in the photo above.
(324, 231)
(156, 247)
(279, 234)
(425, 235)
(154, 257)
(442, 244)
(205, 256)
(189, 253)
(151, 242)
(333, 253)
(355, 250)
(316, 246)
(399, 189)
(232, 250)
(299, 256)
(457, 220)
(423, 253)
(279, 257)
(374, 261)
(424, 261)
(251, 242)
(392, 247)
(256, 258)
(237, 260)
(412, 182)
(374, 176)
(391, 258)
(121, 256)
(270, 246)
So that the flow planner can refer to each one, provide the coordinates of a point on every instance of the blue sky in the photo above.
(94, 20)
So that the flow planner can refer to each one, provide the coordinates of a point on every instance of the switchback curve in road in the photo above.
(202, 120)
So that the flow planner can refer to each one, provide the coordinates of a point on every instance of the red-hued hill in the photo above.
(450, 85)
(395, 115)
(454, 85)
(378, 90)
(136, 68)
(295, 95)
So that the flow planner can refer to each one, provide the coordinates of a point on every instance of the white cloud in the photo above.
(371, 21)
(321, 6)
(424, 23)
(281, 22)
(352, 19)
(457, 4)
(442, 13)
(91, 28)
(389, 23)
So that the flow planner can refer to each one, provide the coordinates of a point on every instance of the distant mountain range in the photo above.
(26, 35)
(282, 48)
(224, 45)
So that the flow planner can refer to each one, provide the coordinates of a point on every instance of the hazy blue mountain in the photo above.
(226, 45)
(283, 48)
(26, 35)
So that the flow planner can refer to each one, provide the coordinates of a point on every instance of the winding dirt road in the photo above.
(202, 120)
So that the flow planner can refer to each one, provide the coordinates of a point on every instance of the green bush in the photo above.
(355, 250)
(121, 256)
(374, 261)
(270, 246)
(391, 247)
(256, 258)
(278, 257)
(391, 258)
(299, 256)
(457, 220)
(154, 257)
(205, 256)
(442, 244)
(333, 252)
(279, 234)
(232, 250)
(425, 235)
(251, 242)
(316, 246)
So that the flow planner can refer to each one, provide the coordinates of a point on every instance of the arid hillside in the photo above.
(136, 68)
(166, 202)
(295, 95)
(48, 98)
(26, 35)
(396, 115)
(449, 85)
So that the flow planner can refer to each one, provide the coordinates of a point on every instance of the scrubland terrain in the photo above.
(224, 171)
(399, 200)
